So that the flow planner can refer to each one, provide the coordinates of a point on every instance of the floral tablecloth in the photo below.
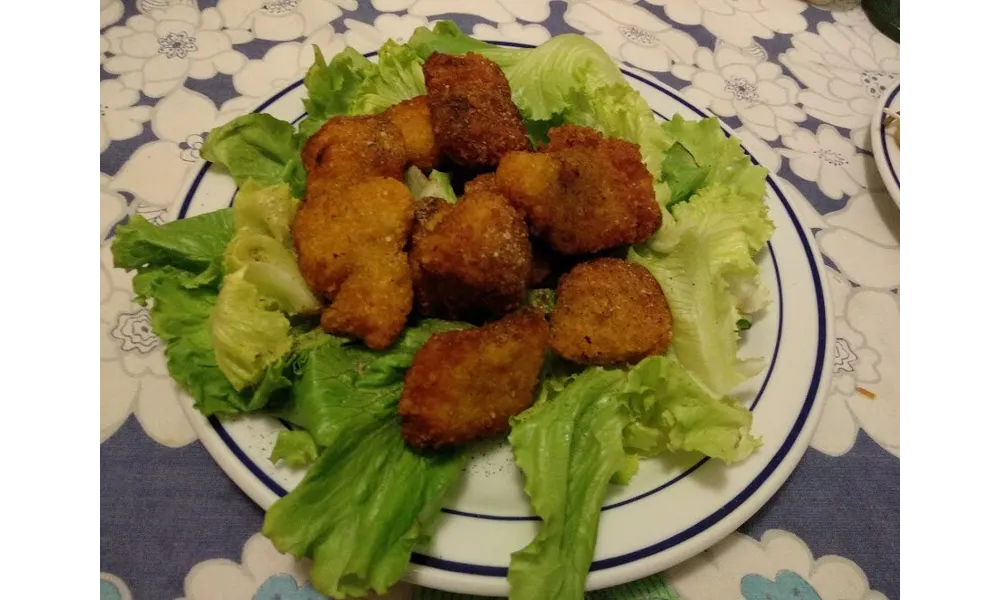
(798, 81)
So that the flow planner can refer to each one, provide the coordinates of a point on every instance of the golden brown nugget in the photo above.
(583, 193)
(413, 119)
(356, 148)
(472, 259)
(609, 311)
(350, 240)
(487, 182)
(474, 119)
(373, 302)
(465, 385)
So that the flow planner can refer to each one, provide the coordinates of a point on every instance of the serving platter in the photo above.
(674, 507)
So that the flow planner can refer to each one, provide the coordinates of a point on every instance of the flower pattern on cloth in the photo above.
(263, 573)
(111, 11)
(156, 53)
(733, 83)
(867, 345)
(368, 38)
(773, 568)
(498, 11)
(632, 34)
(282, 20)
(827, 158)
(862, 239)
(738, 21)
(846, 70)
(121, 119)
(282, 65)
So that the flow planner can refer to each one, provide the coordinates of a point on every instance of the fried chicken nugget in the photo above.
(472, 259)
(350, 239)
(609, 311)
(583, 193)
(487, 182)
(356, 148)
(474, 119)
(413, 119)
(374, 301)
(465, 385)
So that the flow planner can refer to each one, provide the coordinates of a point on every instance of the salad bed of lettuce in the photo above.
(241, 333)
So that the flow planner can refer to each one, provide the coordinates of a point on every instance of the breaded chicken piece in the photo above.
(465, 385)
(583, 193)
(609, 311)
(356, 148)
(350, 239)
(374, 301)
(470, 260)
(487, 182)
(413, 119)
(474, 119)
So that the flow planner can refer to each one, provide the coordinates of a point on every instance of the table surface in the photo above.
(174, 526)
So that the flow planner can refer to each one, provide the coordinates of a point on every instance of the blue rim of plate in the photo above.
(885, 139)
(690, 532)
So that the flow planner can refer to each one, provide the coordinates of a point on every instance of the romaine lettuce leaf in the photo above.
(386, 495)
(398, 76)
(703, 310)
(702, 150)
(569, 447)
(332, 87)
(671, 412)
(179, 266)
(295, 448)
(262, 247)
(254, 145)
(248, 331)
(447, 38)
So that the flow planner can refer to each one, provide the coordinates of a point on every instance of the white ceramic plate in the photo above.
(672, 509)
(884, 147)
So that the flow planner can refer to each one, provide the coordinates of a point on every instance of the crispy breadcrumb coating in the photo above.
(583, 193)
(609, 311)
(465, 385)
(474, 119)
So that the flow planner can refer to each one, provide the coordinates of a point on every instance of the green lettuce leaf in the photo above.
(447, 38)
(191, 244)
(265, 209)
(262, 247)
(703, 311)
(248, 331)
(701, 147)
(254, 145)
(569, 448)
(436, 185)
(296, 448)
(366, 383)
(398, 76)
(332, 87)
(386, 495)
(671, 411)
(364, 505)
(179, 266)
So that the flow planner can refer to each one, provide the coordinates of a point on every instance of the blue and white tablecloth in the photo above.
(798, 81)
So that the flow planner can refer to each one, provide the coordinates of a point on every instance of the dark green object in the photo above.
(884, 15)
